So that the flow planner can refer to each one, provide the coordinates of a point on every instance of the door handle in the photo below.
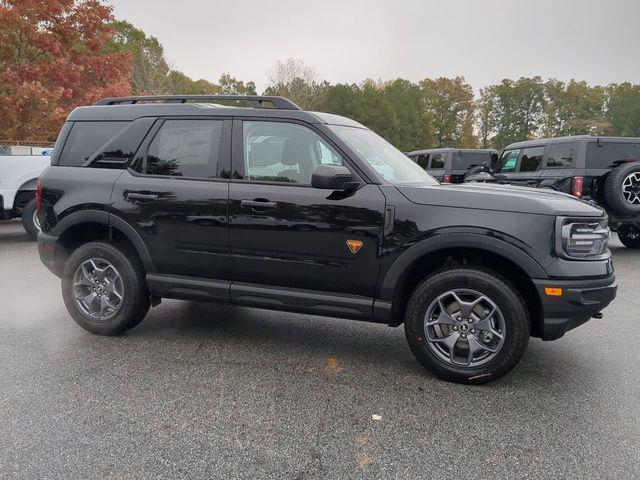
(141, 196)
(258, 205)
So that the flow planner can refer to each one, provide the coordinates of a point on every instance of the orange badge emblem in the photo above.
(354, 245)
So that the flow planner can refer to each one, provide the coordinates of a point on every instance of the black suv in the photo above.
(451, 165)
(273, 207)
(603, 170)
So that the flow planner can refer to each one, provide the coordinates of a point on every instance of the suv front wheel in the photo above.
(103, 289)
(630, 236)
(467, 325)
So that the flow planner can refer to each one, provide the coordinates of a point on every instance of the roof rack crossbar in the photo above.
(256, 101)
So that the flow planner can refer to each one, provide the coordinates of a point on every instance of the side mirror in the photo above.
(332, 177)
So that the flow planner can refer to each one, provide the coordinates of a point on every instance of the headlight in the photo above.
(582, 238)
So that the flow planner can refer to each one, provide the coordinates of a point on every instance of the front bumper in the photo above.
(47, 249)
(579, 302)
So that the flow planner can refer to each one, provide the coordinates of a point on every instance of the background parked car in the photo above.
(450, 165)
(20, 167)
(603, 170)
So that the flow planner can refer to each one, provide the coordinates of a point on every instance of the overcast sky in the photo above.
(351, 40)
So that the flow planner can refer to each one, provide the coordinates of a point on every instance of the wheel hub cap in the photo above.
(631, 188)
(98, 289)
(464, 328)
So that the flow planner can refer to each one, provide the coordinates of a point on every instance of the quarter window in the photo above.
(531, 159)
(284, 152)
(185, 148)
(610, 154)
(560, 155)
(85, 139)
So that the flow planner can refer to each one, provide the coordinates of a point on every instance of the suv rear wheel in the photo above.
(467, 325)
(622, 189)
(104, 290)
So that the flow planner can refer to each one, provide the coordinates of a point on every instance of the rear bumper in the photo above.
(579, 302)
(47, 249)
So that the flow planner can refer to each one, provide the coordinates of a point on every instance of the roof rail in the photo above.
(256, 101)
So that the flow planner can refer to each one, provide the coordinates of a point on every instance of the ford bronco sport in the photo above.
(263, 204)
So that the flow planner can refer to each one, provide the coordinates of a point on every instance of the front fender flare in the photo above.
(456, 240)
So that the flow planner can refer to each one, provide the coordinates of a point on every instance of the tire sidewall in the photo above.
(133, 306)
(506, 298)
(27, 219)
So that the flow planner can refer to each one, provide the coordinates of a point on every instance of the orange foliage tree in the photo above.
(52, 59)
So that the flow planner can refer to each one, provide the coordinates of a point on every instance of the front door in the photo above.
(176, 196)
(285, 233)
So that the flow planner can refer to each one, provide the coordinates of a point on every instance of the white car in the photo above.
(20, 168)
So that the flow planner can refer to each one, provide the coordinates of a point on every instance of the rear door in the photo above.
(176, 196)
(559, 166)
(522, 166)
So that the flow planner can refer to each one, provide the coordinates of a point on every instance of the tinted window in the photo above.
(186, 148)
(423, 160)
(85, 139)
(608, 153)
(560, 155)
(437, 161)
(466, 160)
(508, 161)
(531, 159)
(117, 152)
(284, 152)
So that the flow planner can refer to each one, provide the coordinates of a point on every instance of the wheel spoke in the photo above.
(443, 317)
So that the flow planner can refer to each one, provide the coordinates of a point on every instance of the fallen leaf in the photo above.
(333, 365)
(363, 461)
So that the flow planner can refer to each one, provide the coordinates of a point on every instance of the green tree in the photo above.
(574, 108)
(623, 109)
(519, 110)
(150, 68)
(450, 103)
(486, 116)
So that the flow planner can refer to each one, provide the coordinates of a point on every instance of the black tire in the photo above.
(613, 189)
(500, 291)
(135, 303)
(630, 236)
(29, 220)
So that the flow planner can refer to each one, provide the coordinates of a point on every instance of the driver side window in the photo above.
(284, 152)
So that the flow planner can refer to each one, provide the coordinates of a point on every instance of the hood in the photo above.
(501, 198)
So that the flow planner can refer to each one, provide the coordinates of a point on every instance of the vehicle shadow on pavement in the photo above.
(12, 231)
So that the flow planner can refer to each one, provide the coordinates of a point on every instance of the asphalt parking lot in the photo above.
(206, 391)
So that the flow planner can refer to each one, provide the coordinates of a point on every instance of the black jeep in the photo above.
(602, 170)
(269, 206)
(451, 165)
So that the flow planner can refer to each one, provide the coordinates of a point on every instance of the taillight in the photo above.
(38, 196)
(446, 179)
(578, 187)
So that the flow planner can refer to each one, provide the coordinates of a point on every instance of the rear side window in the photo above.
(610, 154)
(423, 160)
(186, 148)
(466, 160)
(531, 159)
(508, 161)
(560, 155)
(437, 161)
(85, 139)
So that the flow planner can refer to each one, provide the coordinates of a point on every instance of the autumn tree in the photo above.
(623, 109)
(52, 59)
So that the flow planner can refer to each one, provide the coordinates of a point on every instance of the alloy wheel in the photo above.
(98, 289)
(464, 328)
(631, 188)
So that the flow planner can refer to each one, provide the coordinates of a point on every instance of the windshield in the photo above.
(389, 162)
